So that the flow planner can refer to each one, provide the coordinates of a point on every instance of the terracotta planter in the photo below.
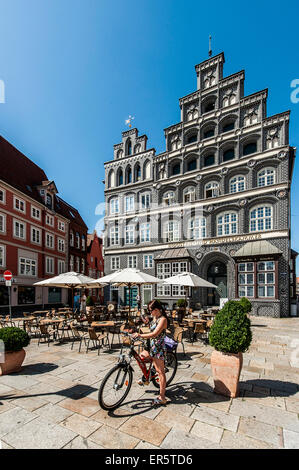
(13, 362)
(226, 369)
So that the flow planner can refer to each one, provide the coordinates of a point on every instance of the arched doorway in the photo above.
(217, 274)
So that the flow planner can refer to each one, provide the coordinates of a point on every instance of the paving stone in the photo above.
(29, 403)
(177, 439)
(209, 399)
(53, 413)
(265, 414)
(5, 406)
(20, 382)
(232, 440)
(291, 439)
(276, 402)
(111, 438)
(113, 419)
(39, 434)
(149, 430)
(85, 406)
(261, 431)
(145, 445)
(5, 390)
(174, 420)
(211, 433)
(81, 425)
(47, 392)
(291, 405)
(14, 419)
(216, 418)
(82, 443)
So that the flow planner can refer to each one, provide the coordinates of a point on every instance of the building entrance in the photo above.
(217, 274)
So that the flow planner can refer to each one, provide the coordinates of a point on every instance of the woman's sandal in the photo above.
(158, 401)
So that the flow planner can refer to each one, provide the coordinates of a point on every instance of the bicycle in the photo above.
(118, 381)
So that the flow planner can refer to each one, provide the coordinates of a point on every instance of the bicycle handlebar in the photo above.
(125, 333)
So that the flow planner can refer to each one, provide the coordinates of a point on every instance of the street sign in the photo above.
(7, 275)
(8, 283)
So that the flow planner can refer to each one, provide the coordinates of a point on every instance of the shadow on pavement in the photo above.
(270, 387)
(40, 368)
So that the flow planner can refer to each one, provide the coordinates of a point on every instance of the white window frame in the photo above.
(27, 262)
(50, 220)
(61, 245)
(83, 242)
(4, 196)
(114, 235)
(168, 198)
(214, 187)
(145, 201)
(115, 263)
(129, 207)
(36, 209)
(51, 237)
(3, 256)
(3, 217)
(72, 263)
(228, 225)
(264, 218)
(114, 206)
(197, 228)
(269, 172)
(129, 234)
(15, 221)
(72, 238)
(132, 261)
(61, 266)
(189, 194)
(171, 235)
(235, 184)
(38, 230)
(61, 225)
(145, 232)
(78, 264)
(17, 201)
(78, 240)
(148, 261)
(49, 264)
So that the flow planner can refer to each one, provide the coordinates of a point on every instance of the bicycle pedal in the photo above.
(146, 382)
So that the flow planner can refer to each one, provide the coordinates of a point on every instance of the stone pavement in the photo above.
(52, 403)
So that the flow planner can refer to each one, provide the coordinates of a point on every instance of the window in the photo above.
(228, 127)
(27, 267)
(120, 178)
(191, 165)
(83, 243)
(72, 262)
(212, 189)
(261, 219)
(210, 106)
(83, 266)
(2, 196)
(120, 153)
(77, 264)
(78, 240)
(111, 179)
(2, 223)
(176, 169)
(49, 240)
(61, 245)
(165, 270)
(72, 240)
(19, 230)
(26, 295)
(61, 226)
(266, 177)
(228, 154)
(197, 228)
(61, 266)
(189, 194)
(114, 206)
(129, 175)
(147, 170)
(49, 265)
(129, 234)
(50, 220)
(209, 160)
(145, 233)
(137, 173)
(192, 138)
(266, 279)
(175, 142)
(237, 184)
(129, 203)
(192, 113)
(115, 262)
(129, 147)
(35, 235)
(171, 231)
(35, 213)
(49, 201)
(132, 261)
(169, 198)
(2, 256)
(246, 279)
(148, 261)
(145, 201)
(209, 133)
(227, 224)
(54, 295)
(249, 148)
(114, 240)
(19, 205)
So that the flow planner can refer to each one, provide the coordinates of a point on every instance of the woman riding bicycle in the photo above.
(157, 349)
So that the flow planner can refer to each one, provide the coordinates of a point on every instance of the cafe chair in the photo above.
(97, 339)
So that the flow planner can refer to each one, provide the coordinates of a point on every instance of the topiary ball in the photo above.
(246, 304)
(231, 332)
(14, 338)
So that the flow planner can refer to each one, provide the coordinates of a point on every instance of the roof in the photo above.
(174, 253)
(260, 247)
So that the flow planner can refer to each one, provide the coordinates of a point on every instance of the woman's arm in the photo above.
(162, 325)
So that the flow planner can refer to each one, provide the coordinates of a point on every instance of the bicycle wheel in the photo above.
(115, 387)
(171, 364)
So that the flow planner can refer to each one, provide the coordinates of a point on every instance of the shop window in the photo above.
(26, 295)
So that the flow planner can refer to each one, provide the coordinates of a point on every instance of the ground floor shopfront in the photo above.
(263, 270)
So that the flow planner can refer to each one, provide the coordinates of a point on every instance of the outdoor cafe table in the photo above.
(103, 324)
(208, 315)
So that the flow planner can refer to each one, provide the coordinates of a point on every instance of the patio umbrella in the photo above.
(188, 280)
(68, 280)
(128, 277)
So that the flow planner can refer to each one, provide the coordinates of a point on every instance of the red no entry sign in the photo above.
(7, 275)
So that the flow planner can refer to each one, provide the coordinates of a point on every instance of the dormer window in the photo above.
(49, 201)
(169, 198)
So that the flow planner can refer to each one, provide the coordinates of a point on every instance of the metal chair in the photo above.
(97, 338)
(46, 332)
(178, 336)
(78, 335)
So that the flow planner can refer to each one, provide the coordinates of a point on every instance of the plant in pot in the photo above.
(230, 335)
(14, 340)
(89, 304)
(246, 304)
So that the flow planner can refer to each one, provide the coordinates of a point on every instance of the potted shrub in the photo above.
(230, 335)
(246, 304)
(14, 339)
(89, 304)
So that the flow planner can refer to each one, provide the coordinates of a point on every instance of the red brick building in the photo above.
(95, 263)
(35, 227)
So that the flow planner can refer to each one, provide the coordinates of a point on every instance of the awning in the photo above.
(260, 247)
(174, 253)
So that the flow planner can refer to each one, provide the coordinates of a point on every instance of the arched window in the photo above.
(237, 184)
(208, 132)
(120, 178)
(189, 194)
(249, 148)
(137, 148)
(265, 177)
(147, 170)
(209, 105)
(227, 224)
(128, 175)
(111, 179)
(197, 228)
(171, 231)
(228, 126)
(209, 159)
(176, 169)
(191, 165)
(191, 138)
(175, 142)
(228, 154)
(137, 173)
(212, 189)
(83, 242)
(114, 206)
(129, 147)
(169, 198)
(120, 153)
(261, 218)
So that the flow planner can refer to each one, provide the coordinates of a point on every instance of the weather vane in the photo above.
(128, 121)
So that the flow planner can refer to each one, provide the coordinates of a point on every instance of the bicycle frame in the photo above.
(141, 363)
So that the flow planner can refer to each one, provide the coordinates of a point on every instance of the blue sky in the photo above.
(75, 69)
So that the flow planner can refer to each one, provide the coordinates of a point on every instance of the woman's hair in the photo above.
(153, 304)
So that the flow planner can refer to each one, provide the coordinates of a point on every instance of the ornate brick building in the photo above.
(95, 263)
(216, 202)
